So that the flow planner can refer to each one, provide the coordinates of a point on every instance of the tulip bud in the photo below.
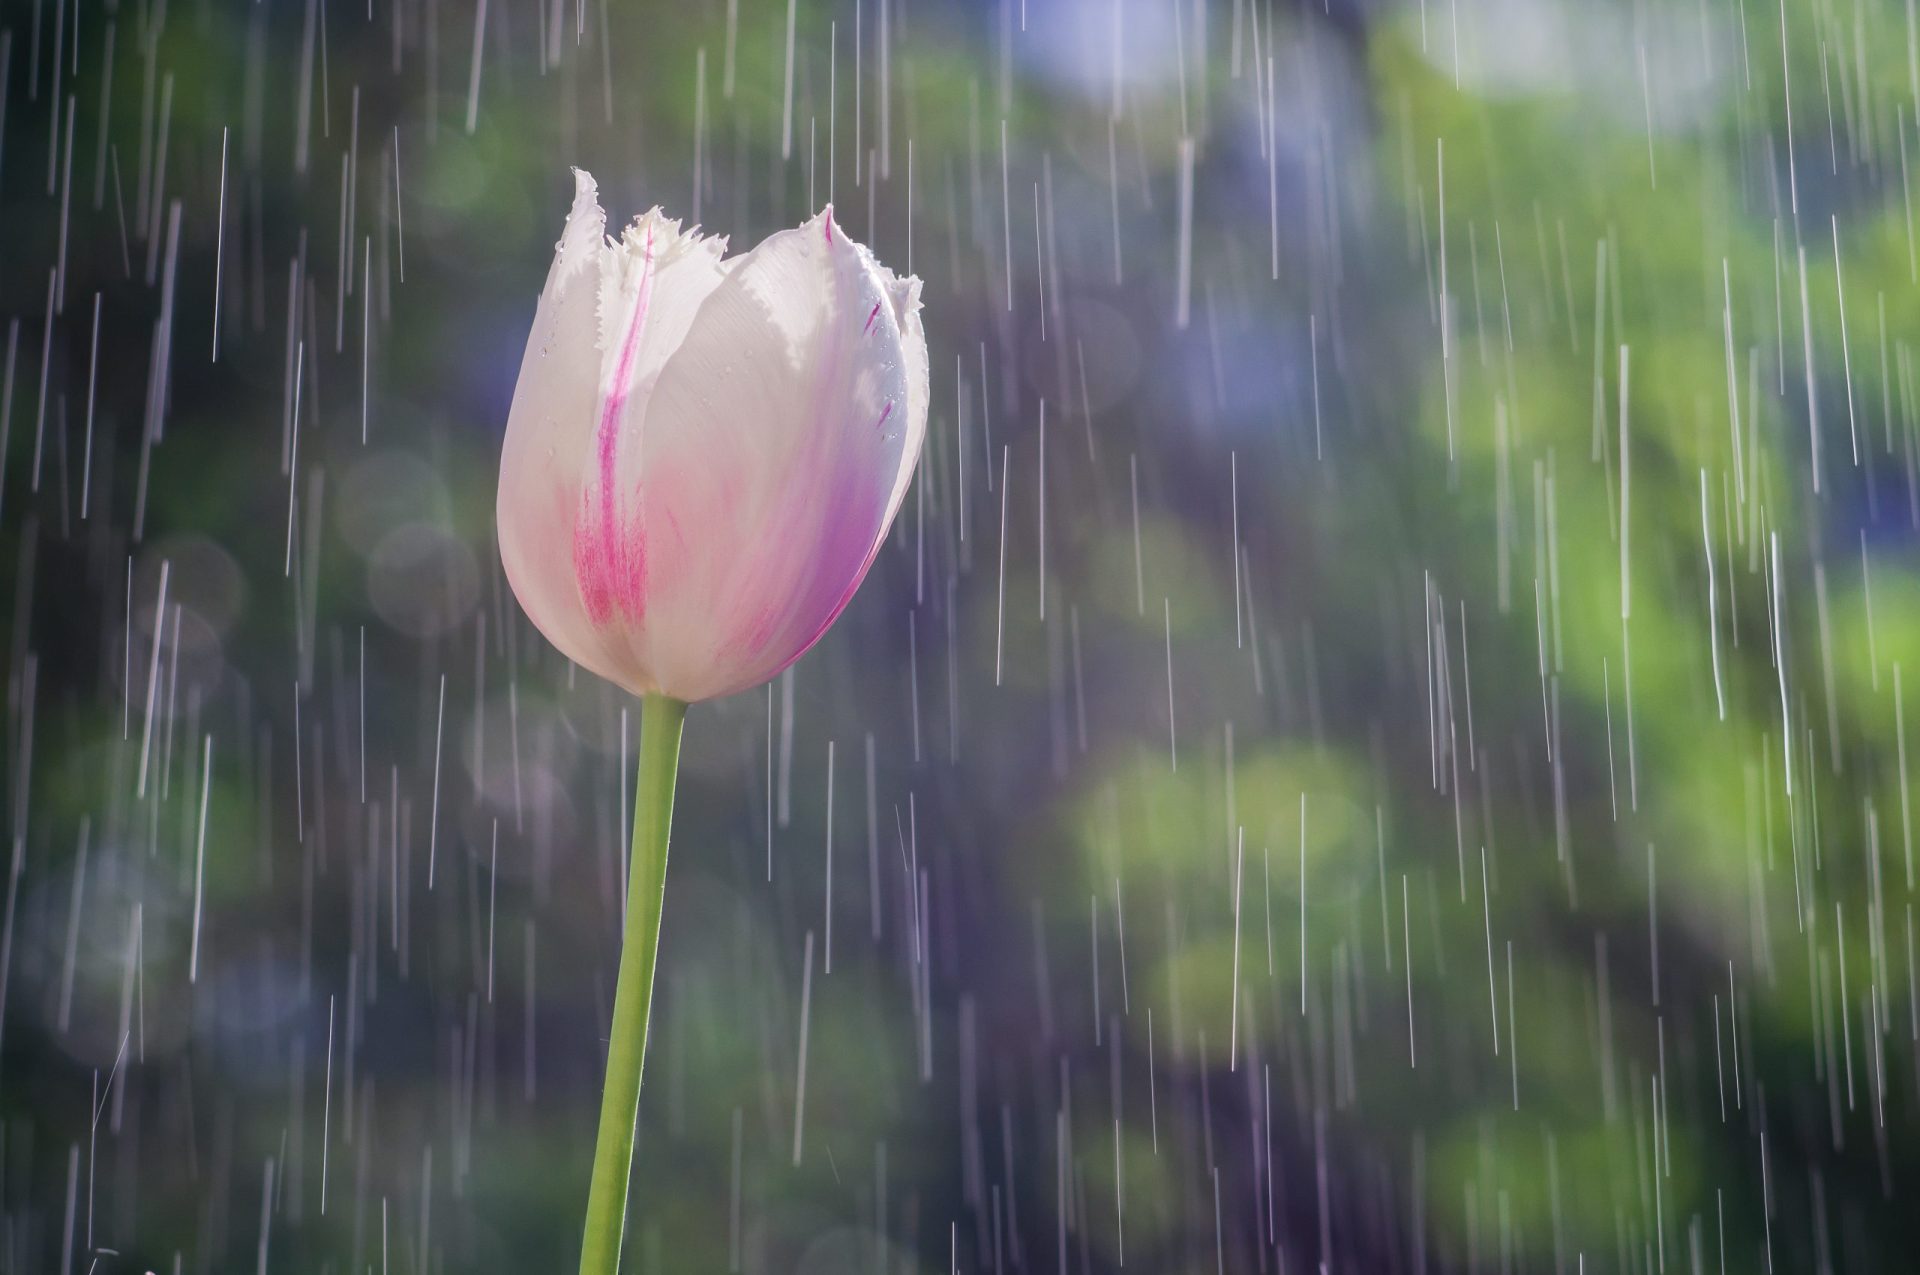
(704, 454)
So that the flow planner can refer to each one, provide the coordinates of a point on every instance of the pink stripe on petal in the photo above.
(871, 316)
(609, 559)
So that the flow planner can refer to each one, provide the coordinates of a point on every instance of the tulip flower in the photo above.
(703, 456)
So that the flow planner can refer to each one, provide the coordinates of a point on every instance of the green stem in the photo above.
(660, 723)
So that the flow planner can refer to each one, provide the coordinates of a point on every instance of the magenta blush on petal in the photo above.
(847, 540)
(833, 612)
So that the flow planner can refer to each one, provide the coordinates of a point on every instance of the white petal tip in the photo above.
(655, 233)
(585, 229)
(905, 296)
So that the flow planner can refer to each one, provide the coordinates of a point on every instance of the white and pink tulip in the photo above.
(704, 453)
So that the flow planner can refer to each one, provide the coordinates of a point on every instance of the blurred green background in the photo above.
(1377, 742)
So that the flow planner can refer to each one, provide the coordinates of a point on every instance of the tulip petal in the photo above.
(652, 284)
(550, 461)
(779, 439)
(904, 296)
(549, 432)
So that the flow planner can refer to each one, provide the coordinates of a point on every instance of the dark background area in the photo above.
(1258, 839)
